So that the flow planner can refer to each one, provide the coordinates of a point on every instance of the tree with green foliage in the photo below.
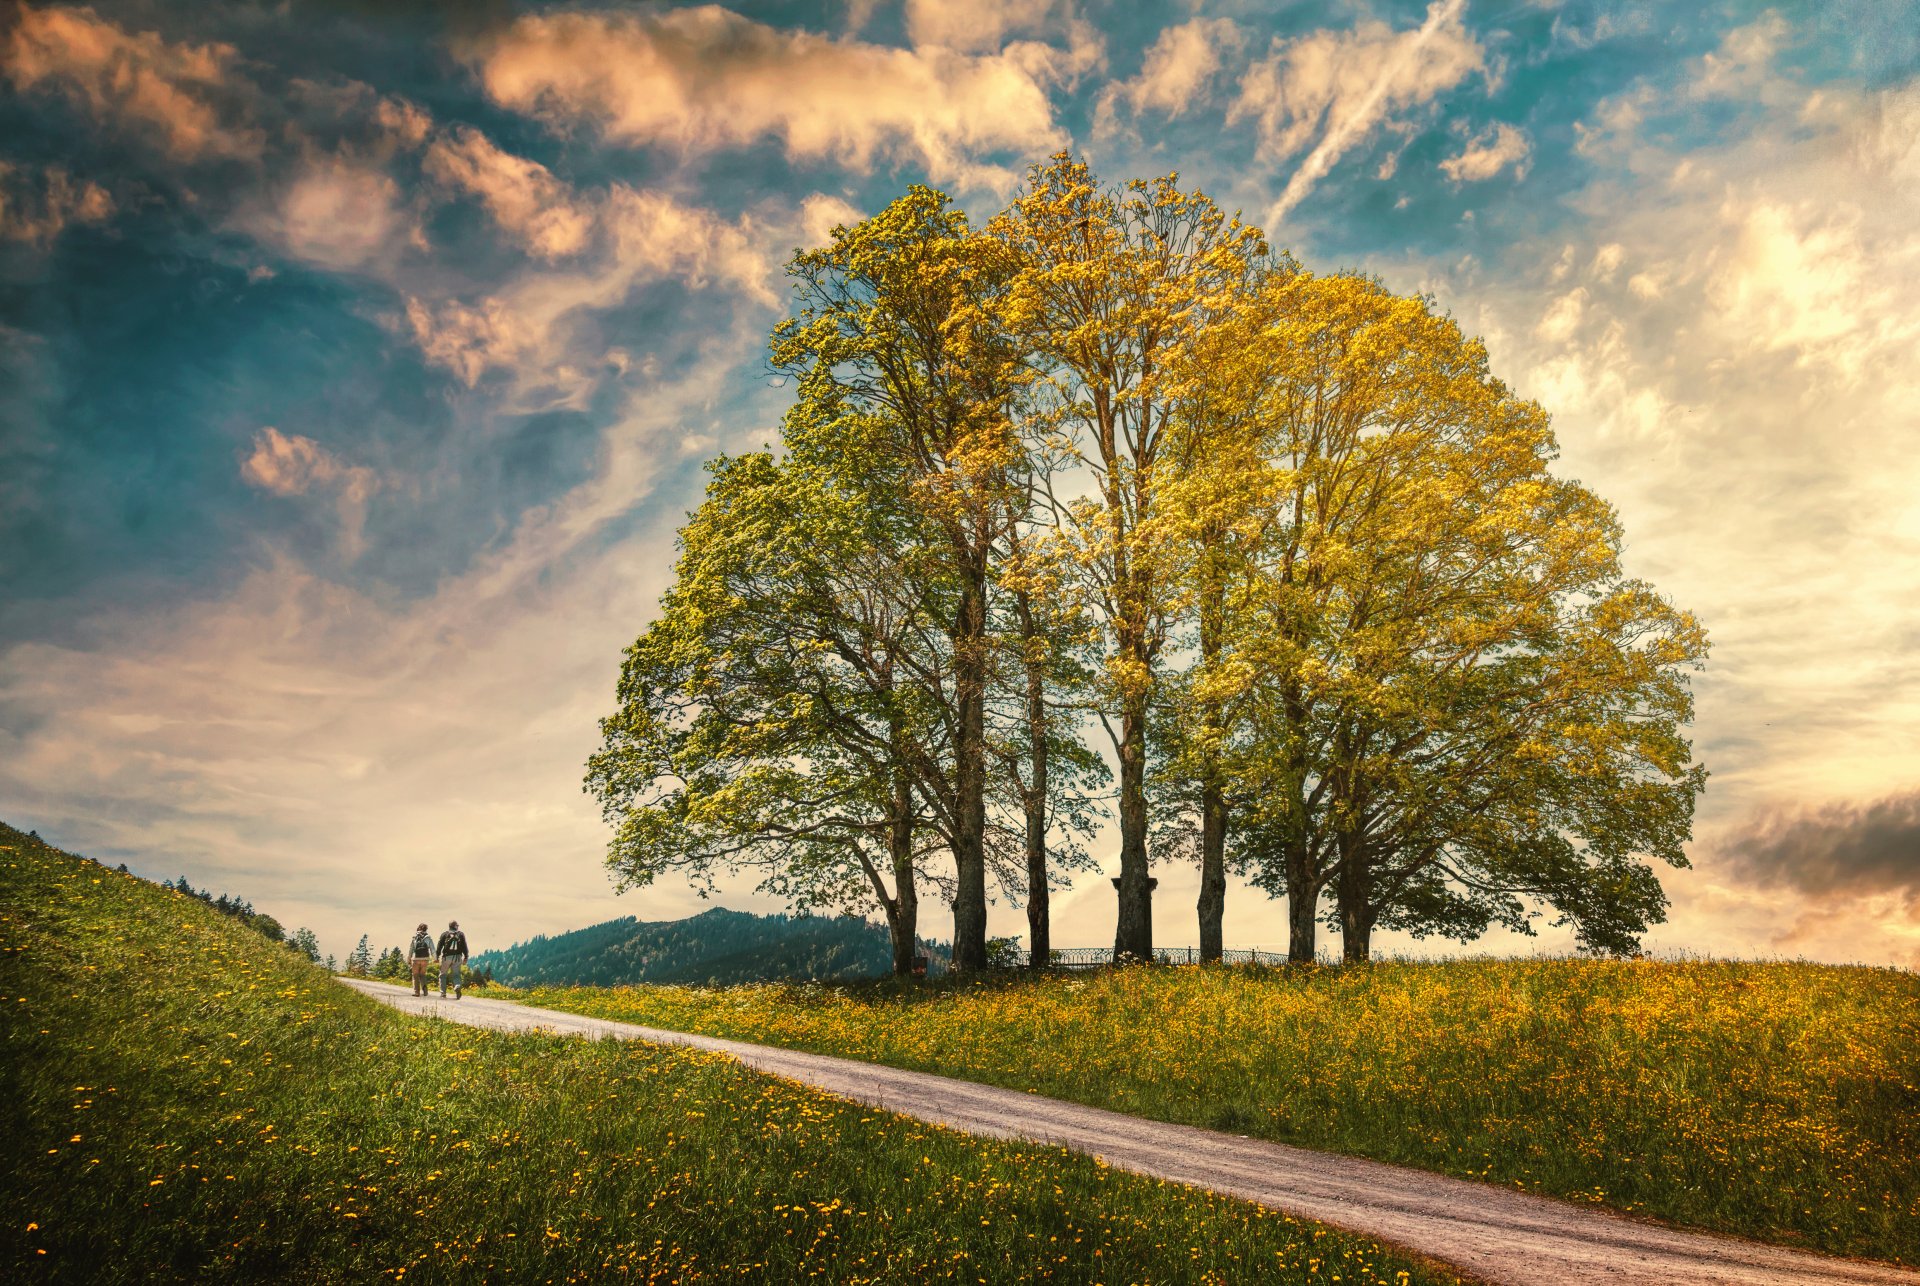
(907, 386)
(770, 719)
(360, 959)
(306, 943)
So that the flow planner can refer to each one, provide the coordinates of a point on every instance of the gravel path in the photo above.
(1494, 1233)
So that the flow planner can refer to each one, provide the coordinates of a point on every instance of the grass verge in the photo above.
(186, 1099)
(1774, 1100)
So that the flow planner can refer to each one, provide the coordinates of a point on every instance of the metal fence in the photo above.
(1100, 957)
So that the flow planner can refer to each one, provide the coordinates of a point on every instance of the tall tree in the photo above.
(1112, 287)
(897, 342)
(1051, 774)
(1463, 706)
(765, 720)
(1209, 520)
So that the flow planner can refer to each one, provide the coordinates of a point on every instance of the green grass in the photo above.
(1778, 1100)
(182, 1098)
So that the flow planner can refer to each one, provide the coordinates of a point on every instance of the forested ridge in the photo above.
(716, 947)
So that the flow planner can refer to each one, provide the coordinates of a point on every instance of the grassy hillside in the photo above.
(715, 948)
(1780, 1101)
(183, 1099)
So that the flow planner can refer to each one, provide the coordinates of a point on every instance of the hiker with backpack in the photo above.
(451, 951)
(419, 952)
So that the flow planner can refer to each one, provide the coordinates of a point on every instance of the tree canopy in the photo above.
(1110, 463)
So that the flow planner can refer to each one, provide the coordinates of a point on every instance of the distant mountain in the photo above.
(714, 948)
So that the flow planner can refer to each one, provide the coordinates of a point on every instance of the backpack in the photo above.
(422, 945)
(453, 943)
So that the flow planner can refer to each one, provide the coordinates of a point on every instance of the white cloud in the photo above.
(1488, 153)
(338, 212)
(168, 92)
(1742, 66)
(467, 340)
(1179, 69)
(1339, 87)
(523, 197)
(1563, 318)
(976, 26)
(706, 78)
(526, 325)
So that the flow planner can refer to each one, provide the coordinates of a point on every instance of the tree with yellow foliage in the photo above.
(1113, 288)
(1455, 703)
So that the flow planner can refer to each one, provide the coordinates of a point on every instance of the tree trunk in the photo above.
(1212, 906)
(903, 916)
(1213, 871)
(970, 775)
(1133, 928)
(1039, 922)
(1302, 924)
(1356, 911)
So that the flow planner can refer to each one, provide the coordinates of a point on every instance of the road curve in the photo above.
(1493, 1233)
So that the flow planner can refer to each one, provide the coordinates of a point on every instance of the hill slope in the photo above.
(715, 948)
(185, 1100)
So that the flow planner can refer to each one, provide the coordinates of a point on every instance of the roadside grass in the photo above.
(185, 1099)
(1779, 1101)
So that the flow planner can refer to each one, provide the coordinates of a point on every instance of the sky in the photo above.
(358, 362)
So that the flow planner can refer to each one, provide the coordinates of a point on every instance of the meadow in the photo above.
(1775, 1100)
(184, 1098)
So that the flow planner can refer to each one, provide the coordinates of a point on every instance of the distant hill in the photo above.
(714, 948)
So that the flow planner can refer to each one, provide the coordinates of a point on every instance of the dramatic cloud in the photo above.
(707, 78)
(1339, 87)
(381, 633)
(1178, 72)
(169, 92)
(523, 197)
(1489, 153)
(35, 210)
(1859, 849)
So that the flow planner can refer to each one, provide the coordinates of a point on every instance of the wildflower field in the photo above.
(1775, 1100)
(183, 1098)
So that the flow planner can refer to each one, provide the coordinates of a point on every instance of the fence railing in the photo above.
(1100, 957)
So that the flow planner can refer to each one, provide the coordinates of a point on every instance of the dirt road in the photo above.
(1503, 1236)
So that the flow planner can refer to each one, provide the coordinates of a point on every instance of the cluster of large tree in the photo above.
(1110, 463)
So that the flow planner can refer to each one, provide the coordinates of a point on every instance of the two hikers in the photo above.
(419, 951)
(451, 952)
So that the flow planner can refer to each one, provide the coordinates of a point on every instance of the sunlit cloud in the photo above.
(36, 208)
(439, 379)
(1488, 153)
(168, 91)
(523, 197)
(1336, 88)
(696, 80)
(1179, 70)
(288, 464)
